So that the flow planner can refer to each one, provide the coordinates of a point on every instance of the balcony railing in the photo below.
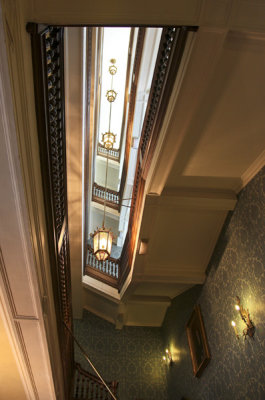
(112, 197)
(106, 271)
(114, 154)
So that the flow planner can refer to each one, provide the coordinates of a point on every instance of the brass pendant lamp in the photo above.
(103, 237)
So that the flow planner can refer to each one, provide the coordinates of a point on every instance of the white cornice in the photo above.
(196, 199)
(101, 288)
(252, 171)
(187, 275)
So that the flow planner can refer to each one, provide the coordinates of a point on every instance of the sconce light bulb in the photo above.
(167, 351)
(237, 307)
(164, 358)
(233, 323)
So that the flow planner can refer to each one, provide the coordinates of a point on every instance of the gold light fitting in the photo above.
(113, 68)
(245, 316)
(108, 140)
(168, 357)
(111, 95)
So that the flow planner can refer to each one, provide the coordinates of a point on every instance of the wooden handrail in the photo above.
(112, 384)
(90, 362)
(89, 387)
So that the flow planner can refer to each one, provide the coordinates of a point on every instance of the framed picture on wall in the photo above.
(199, 349)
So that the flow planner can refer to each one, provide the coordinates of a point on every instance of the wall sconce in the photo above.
(244, 313)
(168, 357)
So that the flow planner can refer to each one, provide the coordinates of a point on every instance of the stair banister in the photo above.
(90, 362)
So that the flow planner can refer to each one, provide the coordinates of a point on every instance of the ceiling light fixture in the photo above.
(103, 237)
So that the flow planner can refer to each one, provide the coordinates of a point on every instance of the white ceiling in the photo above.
(226, 134)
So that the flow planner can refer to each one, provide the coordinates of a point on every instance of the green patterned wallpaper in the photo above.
(237, 368)
(132, 356)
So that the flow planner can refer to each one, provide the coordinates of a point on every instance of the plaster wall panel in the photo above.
(11, 386)
(183, 237)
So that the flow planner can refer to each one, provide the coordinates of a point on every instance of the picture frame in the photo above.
(198, 344)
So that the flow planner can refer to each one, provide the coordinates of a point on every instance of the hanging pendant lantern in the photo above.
(111, 95)
(113, 68)
(108, 139)
(102, 239)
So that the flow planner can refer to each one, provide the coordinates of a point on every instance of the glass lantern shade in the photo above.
(108, 139)
(102, 243)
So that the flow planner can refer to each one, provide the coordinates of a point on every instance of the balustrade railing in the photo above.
(112, 197)
(89, 387)
(114, 154)
(107, 271)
